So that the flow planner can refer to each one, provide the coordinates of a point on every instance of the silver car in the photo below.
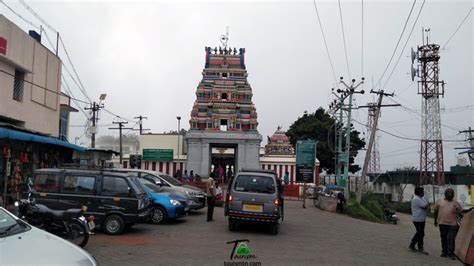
(23, 244)
(254, 196)
(196, 197)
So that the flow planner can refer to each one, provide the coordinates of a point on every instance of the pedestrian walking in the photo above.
(341, 200)
(286, 178)
(445, 215)
(418, 212)
(211, 193)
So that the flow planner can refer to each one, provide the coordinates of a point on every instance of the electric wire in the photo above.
(457, 29)
(325, 42)
(37, 16)
(344, 38)
(362, 39)
(405, 45)
(398, 42)
(20, 16)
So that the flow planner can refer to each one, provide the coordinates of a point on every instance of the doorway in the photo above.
(223, 161)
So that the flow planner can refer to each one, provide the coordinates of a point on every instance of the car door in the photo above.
(77, 190)
(46, 189)
(117, 196)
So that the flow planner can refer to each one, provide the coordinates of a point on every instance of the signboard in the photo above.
(3, 46)
(305, 159)
(304, 174)
(305, 152)
(158, 155)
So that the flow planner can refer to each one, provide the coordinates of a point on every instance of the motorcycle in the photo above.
(70, 224)
(390, 216)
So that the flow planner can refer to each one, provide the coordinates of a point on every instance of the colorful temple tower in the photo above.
(223, 125)
(279, 145)
(224, 96)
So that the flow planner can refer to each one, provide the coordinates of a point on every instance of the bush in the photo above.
(404, 207)
(358, 211)
(374, 207)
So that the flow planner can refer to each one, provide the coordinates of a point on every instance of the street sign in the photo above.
(305, 152)
(304, 174)
(305, 159)
(165, 155)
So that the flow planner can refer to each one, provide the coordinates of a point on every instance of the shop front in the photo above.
(21, 152)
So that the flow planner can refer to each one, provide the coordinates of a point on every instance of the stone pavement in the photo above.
(307, 237)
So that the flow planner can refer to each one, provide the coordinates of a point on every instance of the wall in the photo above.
(162, 141)
(39, 108)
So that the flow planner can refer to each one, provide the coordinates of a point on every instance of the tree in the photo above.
(320, 126)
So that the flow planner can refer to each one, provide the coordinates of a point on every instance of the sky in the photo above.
(148, 57)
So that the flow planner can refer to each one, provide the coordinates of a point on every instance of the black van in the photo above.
(116, 200)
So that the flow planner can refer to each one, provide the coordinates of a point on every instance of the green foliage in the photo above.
(374, 207)
(404, 207)
(358, 211)
(320, 126)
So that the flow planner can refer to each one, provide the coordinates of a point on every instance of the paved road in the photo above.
(307, 237)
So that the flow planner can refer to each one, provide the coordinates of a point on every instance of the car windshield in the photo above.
(150, 185)
(137, 186)
(173, 181)
(257, 184)
(7, 222)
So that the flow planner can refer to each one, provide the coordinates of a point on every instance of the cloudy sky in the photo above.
(148, 58)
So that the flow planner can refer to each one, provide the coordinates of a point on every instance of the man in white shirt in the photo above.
(418, 213)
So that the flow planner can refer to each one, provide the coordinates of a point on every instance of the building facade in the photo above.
(34, 113)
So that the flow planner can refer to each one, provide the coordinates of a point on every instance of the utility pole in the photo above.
(95, 108)
(179, 133)
(120, 128)
(338, 105)
(140, 123)
(350, 90)
(471, 144)
(363, 177)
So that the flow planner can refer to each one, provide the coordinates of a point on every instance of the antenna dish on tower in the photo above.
(414, 73)
(414, 55)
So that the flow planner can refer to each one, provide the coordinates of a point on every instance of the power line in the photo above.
(457, 29)
(37, 16)
(325, 42)
(406, 42)
(362, 42)
(118, 116)
(74, 69)
(398, 42)
(20, 16)
(344, 38)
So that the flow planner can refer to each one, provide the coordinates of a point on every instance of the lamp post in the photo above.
(179, 120)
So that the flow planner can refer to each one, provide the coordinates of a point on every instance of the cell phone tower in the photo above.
(430, 88)
(374, 161)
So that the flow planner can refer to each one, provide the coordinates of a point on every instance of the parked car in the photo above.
(196, 197)
(116, 200)
(255, 196)
(165, 205)
(23, 244)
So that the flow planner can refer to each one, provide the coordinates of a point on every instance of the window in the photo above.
(224, 75)
(18, 85)
(46, 183)
(114, 186)
(223, 126)
(224, 96)
(78, 184)
(257, 184)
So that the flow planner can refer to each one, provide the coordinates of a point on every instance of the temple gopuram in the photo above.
(223, 125)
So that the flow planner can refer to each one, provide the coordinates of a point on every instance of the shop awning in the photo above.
(6, 133)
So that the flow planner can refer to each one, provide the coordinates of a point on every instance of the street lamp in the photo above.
(179, 120)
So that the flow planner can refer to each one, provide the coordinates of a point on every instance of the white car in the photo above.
(23, 244)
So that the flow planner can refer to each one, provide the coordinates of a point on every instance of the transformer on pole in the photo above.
(430, 88)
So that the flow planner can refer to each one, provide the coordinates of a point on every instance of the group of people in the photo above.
(446, 212)
(219, 173)
(185, 177)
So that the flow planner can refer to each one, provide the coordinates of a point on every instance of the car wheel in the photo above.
(274, 228)
(158, 215)
(113, 224)
(232, 225)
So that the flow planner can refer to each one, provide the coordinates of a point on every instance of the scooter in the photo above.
(69, 224)
(390, 216)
